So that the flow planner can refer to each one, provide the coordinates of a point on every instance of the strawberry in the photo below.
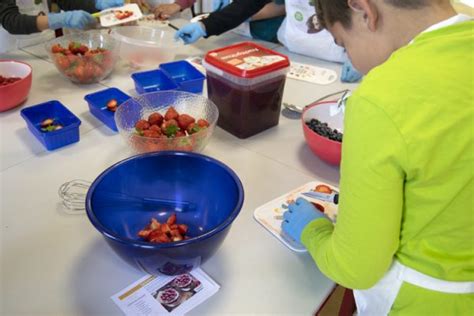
(57, 48)
(112, 104)
(193, 128)
(74, 47)
(165, 228)
(169, 127)
(144, 233)
(184, 120)
(154, 224)
(179, 134)
(171, 220)
(151, 133)
(203, 123)
(155, 119)
(155, 128)
(142, 125)
(183, 229)
(171, 114)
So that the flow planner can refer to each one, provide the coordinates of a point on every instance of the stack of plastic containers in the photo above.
(246, 82)
(178, 75)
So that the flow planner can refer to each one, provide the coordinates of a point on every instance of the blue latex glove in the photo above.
(219, 4)
(70, 19)
(299, 214)
(191, 32)
(105, 4)
(349, 73)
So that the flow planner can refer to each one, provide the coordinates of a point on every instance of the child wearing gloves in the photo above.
(404, 234)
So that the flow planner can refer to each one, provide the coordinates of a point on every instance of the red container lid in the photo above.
(246, 60)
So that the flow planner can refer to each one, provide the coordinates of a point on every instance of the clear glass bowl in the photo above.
(146, 46)
(134, 109)
(88, 68)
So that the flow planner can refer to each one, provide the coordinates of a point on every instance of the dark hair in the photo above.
(332, 11)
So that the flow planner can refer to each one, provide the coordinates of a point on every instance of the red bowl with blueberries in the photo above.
(167, 120)
(15, 83)
(323, 130)
(85, 57)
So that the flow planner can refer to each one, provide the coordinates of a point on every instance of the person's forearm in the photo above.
(271, 10)
(86, 5)
(42, 22)
(184, 4)
(232, 15)
(14, 22)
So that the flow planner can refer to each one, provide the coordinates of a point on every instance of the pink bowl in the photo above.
(15, 93)
(326, 149)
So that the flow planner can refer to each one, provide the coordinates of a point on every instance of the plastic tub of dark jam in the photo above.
(246, 82)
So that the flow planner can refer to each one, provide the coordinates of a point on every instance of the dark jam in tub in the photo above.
(246, 83)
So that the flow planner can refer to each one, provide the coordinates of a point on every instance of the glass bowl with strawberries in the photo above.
(167, 120)
(85, 58)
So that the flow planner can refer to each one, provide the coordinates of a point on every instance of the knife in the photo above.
(332, 197)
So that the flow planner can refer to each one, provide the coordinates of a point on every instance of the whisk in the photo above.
(73, 195)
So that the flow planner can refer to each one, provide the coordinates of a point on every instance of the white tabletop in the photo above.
(53, 263)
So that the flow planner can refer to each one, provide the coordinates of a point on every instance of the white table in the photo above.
(53, 263)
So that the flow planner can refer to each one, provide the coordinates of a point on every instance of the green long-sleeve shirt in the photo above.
(407, 189)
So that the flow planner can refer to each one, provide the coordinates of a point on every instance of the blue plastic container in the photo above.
(185, 75)
(55, 110)
(98, 105)
(152, 80)
(204, 193)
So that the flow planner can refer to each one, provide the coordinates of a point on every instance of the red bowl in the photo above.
(15, 93)
(326, 149)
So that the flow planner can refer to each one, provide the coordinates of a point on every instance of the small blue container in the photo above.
(98, 105)
(56, 111)
(151, 81)
(205, 195)
(185, 75)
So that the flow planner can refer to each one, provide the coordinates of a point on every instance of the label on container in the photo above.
(247, 59)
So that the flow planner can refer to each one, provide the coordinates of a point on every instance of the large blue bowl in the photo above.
(204, 193)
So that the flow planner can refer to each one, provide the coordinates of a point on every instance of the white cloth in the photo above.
(10, 42)
(378, 300)
(301, 33)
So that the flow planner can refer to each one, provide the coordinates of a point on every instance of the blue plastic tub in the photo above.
(98, 105)
(56, 111)
(185, 75)
(152, 80)
(204, 194)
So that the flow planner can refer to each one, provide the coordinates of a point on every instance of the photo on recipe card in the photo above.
(177, 291)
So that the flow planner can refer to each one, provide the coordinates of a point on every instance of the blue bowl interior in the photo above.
(153, 80)
(201, 191)
(181, 71)
(55, 110)
(99, 99)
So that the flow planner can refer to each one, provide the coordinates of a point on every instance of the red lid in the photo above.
(246, 60)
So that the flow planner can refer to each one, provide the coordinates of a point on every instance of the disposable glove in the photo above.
(70, 19)
(349, 73)
(191, 32)
(219, 4)
(105, 4)
(299, 214)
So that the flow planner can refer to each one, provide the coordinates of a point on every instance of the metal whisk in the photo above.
(73, 194)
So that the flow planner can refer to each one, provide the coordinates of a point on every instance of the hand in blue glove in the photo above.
(70, 19)
(191, 32)
(105, 4)
(219, 4)
(349, 73)
(299, 214)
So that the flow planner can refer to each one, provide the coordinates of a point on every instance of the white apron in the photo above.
(378, 300)
(10, 42)
(301, 33)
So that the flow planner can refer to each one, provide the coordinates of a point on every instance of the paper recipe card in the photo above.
(270, 215)
(166, 295)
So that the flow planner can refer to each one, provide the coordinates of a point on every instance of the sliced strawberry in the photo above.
(171, 220)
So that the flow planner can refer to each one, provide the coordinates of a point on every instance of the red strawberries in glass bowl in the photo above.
(86, 57)
(167, 120)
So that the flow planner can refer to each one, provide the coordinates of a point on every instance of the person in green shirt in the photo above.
(404, 235)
